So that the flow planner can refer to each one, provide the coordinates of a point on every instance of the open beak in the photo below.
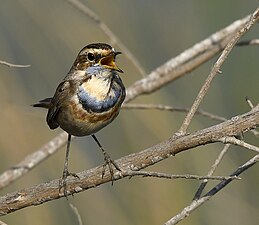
(109, 62)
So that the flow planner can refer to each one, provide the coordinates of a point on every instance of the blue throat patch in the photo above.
(91, 103)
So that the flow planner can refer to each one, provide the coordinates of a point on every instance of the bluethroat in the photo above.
(87, 99)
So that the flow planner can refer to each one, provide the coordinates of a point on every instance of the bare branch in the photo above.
(172, 109)
(174, 68)
(235, 141)
(196, 203)
(179, 109)
(249, 102)
(248, 42)
(186, 61)
(93, 177)
(113, 38)
(75, 210)
(212, 170)
(240, 170)
(2, 223)
(215, 70)
(175, 176)
(12, 65)
(32, 160)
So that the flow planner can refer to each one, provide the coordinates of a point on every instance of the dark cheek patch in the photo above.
(82, 66)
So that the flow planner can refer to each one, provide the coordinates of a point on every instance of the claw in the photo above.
(63, 182)
(108, 161)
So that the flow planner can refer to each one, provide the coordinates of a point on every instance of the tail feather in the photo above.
(45, 103)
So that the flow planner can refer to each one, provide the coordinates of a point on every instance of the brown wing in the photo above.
(56, 102)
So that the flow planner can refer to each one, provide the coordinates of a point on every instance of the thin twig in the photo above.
(32, 160)
(235, 141)
(196, 203)
(172, 109)
(251, 105)
(215, 70)
(2, 223)
(179, 109)
(92, 178)
(174, 68)
(75, 210)
(210, 173)
(186, 62)
(175, 176)
(113, 38)
(249, 102)
(239, 170)
(248, 42)
(12, 65)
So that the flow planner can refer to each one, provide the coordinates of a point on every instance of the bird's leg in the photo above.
(62, 181)
(108, 161)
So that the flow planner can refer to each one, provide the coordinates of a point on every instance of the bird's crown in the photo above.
(96, 54)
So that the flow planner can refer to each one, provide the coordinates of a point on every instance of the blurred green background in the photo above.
(48, 35)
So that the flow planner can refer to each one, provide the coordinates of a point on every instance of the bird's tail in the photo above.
(45, 103)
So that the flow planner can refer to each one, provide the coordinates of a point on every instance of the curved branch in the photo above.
(93, 177)
(174, 68)
(186, 61)
(12, 65)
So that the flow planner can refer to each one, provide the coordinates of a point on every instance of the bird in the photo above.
(87, 99)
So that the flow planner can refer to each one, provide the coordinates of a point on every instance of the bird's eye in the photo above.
(90, 56)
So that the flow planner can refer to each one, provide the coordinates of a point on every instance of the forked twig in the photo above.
(215, 70)
(92, 178)
(196, 203)
(186, 62)
(174, 68)
(235, 141)
(210, 173)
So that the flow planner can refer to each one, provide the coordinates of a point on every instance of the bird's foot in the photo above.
(109, 162)
(63, 181)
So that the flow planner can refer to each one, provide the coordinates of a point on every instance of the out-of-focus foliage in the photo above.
(48, 35)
